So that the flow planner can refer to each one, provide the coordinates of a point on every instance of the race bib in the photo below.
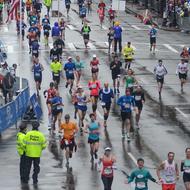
(103, 103)
(137, 98)
(140, 185)
(37, 74)
(130, 85)
(35, 51)
(108, 170)
(59, 46)
(70, 72)
(66, 142)
(127, 105)
(56, 74)
(187, 170)
(59, 107)
(93, 86)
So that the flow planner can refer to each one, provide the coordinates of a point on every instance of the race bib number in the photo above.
(56, 74)
(93, 86)
(130, 85)
(37, 74)
(103, 103)
(108, 170)
(140, 185)
(187, 170)
(35, 51)
(59, 107)
(137, 98)
(59, 46)
(127, 105)
(66, 142)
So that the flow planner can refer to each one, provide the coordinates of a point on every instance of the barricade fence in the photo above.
(13, 111)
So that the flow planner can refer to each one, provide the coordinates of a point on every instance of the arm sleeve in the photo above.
(131, 177)
(182, 165)
(150, 177)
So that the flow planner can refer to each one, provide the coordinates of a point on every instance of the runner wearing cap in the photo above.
(68, 143)
(94, 66)
(81, 104)
(107, 160)
(93, 128)
(70, 69)
(160, 71)
(94, 87)
(106, 94)
(126, 102)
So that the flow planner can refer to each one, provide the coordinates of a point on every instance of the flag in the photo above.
(13, 10)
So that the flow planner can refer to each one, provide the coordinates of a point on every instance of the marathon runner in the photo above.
(46, 29)
(115, 67)
(68, 143)
(50, 93)
(57, 110)
(93, 128)
(141, 176)
(100, 12)
(82, 13)
(94, 87)
(107, 160)
(112, 15)
(37, 68)
(185, 168)
(168, 173)
(81, 105)
(60, 45)
(160, 71)
(54, 52)
(181, 71)
(128, 53)
(106, 94)
(110, 35)
(153, 34)
(79, 67)
(94, 66)
(67, 5)
(86, 33)
(126, 102)
(139, 98)
(129, 80)
(62, 25)
(56, 68)
(70, 69)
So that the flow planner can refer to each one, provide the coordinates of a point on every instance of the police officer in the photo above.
(34, 143)
(20, 149)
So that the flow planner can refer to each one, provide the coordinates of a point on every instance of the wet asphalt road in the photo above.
(163, 127)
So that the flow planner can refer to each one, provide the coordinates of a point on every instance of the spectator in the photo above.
(56, 32)
(13, 70)
(117, 37)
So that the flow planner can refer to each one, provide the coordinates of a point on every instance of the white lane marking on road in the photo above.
(71, 27)
(91, 46)
(182, 46)
(104, 27)
(107, 44)
(132, 158)
(10, 49)
(99, 114)
(5, 29)
(183, 114)
(71, 46)
(170, 48)
(135, 27)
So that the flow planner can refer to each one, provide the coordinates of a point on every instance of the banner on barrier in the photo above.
(11, 112)
(36, 106)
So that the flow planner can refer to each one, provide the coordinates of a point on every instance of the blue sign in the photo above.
(36, 106)
(11, 112)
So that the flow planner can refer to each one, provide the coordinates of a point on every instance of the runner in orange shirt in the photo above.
(68, 142)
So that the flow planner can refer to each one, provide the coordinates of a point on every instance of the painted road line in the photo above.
(71, 27)
(5, 29)
(170, 48)
(91, 46)
(135, 27)
(132, 158)
(104, 27)
(10, 49)
(99, 114)
(107, 44)
(183, 114)
(71, 46)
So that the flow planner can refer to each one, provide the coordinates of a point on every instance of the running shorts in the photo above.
(92, 141)
(56, 111)
(68, 143)
(38, 79)
(94, 70)
(168, 186)
(67, 6)
(182, 76)
(86, 36)
(70, 77)
(152, 40)
(82, 108)
(107, 106)
(125, 115)
(186, 177)
(139, 106)
(160, 79)
(115, 75)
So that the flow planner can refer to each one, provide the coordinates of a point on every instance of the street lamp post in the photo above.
(174, 19)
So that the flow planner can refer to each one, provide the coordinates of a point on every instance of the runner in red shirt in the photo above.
(49, 94)
(100, 12)
(94, 87)
(102, 4)
(94, 67)
(112, 14)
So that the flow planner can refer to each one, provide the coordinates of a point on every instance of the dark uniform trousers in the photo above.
(36, 166)
(23, 168)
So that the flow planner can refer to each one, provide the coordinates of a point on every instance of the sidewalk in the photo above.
(139, 12)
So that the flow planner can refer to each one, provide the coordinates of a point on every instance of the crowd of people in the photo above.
(30, 144)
